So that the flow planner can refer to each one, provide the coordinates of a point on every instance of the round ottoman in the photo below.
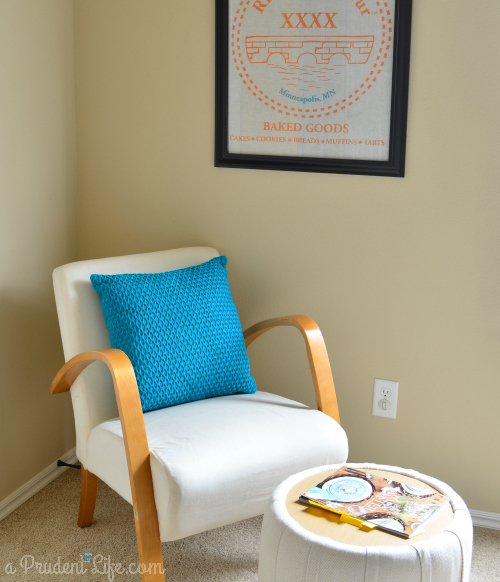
(306, 544)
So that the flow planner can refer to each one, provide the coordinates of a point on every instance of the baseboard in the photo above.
(485, 519)
(19, 496)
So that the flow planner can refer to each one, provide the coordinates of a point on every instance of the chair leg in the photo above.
(150, 553)
(148, 539)
(88, 494)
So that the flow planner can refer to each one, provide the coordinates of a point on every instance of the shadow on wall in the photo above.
(30, 355)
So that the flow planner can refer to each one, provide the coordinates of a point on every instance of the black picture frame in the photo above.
(395, 166)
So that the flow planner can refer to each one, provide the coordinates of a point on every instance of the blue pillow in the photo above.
(180, 330)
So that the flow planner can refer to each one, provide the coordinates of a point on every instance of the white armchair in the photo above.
(191, 467)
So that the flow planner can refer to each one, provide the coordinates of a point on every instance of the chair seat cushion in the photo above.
(217, 461)
(181, 331)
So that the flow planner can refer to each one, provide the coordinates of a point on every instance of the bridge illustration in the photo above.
(356, 49)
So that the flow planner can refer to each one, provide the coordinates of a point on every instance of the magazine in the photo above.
(363, 498)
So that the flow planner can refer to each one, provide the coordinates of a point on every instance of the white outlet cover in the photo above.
(385, 390)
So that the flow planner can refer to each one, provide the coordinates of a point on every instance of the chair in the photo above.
(191, 467)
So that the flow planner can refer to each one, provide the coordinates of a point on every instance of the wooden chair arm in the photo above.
(136, 442)
(316, 353)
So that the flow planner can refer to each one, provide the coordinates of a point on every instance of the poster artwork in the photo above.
(310, 78)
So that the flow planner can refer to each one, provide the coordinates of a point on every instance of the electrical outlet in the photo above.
(385, 398)
(385, 393)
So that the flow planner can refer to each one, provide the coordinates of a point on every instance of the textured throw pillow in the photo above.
(180, 330)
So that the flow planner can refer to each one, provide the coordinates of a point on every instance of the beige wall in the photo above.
(401, 274)
(37, 229)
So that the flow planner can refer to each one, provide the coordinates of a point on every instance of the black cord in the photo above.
(63, 464)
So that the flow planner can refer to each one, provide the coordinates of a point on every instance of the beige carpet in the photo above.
(45, 528)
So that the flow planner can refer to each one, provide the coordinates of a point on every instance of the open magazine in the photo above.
(366, 499)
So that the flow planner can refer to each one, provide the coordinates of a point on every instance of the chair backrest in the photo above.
(83, 327)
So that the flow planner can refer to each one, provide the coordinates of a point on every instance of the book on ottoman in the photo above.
(368, 501)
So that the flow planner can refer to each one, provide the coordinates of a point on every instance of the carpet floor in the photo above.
(44, 529)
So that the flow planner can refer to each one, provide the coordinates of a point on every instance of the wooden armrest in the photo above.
(134, 435)
(316, 353)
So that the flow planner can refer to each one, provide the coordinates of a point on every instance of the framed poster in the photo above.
(312, 85)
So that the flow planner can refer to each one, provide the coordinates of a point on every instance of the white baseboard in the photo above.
(19, 496)
(485, 519)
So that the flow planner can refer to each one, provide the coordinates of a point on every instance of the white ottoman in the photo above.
(305, 544)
